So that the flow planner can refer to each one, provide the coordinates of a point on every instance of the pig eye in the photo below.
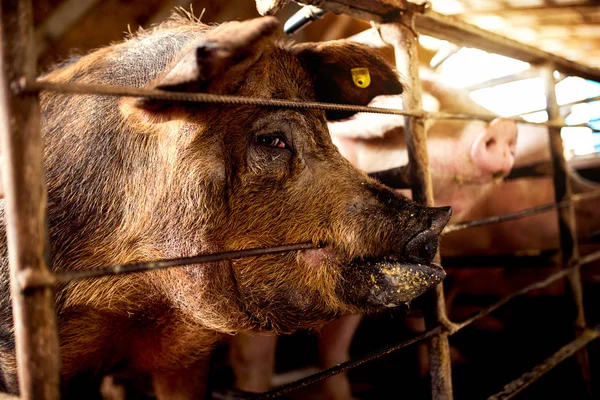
(272, 141)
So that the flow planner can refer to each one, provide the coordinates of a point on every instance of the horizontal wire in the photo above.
(513, 388)
(590, 258)
(63, 277)
(343, 367)
(456, 326)
(520, 214)
(107, 90)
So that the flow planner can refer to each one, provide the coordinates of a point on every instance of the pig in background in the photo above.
(133, 180)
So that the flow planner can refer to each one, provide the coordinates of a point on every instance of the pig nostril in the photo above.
(490, 142)
(422, 248)
(440, 216)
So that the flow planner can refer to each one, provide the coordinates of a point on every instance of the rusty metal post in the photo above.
(566, 217)
(25, 208)
(401, 35)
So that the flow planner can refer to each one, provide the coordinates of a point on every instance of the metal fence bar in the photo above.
(521, 214)
(566, 216)
(518, 76)
(518, 385)
(67, 276)
(402, 37)
(343, 367)
(561, 106)
(533, 286)
(107, 90)
(35, 332)
(35, 280)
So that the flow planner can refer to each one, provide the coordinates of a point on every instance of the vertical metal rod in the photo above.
(403, 38)
(25, 207)
(566, 217)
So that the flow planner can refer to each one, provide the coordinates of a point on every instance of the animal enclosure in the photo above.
(397, 24)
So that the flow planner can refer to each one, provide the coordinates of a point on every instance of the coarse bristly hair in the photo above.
(132, 181)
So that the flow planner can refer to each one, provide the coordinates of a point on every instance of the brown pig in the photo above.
(133, 180)
(467, 158)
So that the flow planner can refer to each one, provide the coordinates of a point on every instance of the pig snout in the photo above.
(422, 248)
(417, 273)
(493, 150)
(408, 270)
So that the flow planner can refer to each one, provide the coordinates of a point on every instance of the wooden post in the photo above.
(25, 208)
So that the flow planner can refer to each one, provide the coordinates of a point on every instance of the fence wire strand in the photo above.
(534, 286)
(520, 214)
(515, 387)
(343, 367)
(107, 90)
(64, 277)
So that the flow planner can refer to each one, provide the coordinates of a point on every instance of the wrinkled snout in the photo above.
(493, 150)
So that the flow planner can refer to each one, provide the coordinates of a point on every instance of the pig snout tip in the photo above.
(493, 150)
(440, 216)
(423, 247)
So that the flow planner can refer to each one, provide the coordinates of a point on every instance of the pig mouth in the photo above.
(378, 282)
(394, 281)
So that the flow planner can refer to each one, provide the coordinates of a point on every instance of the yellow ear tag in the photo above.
(361, 77)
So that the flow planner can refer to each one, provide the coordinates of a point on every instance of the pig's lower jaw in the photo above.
(399, 283)
(377, 283)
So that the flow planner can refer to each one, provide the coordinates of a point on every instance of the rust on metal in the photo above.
(31, 280)
(518, 385)
(402, 37)
(566, 217)
(36, 337)
(521, 214)
(345, 366)
(107, 90)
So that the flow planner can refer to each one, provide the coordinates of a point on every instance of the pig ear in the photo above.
(224, 52)
(348, 73)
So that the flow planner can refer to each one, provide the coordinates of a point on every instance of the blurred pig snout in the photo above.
(422, 248)
(493, 150)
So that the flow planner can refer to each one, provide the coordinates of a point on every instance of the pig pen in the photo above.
(397, 23)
